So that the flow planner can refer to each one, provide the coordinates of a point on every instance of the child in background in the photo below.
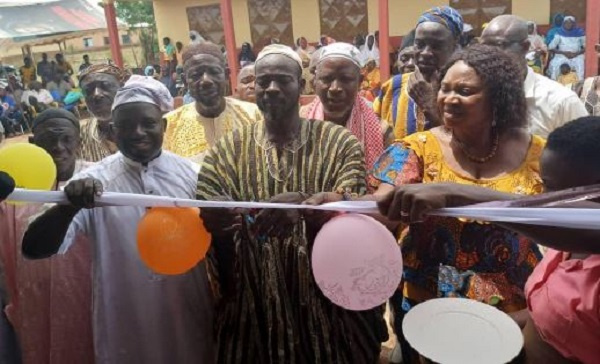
(567, 75)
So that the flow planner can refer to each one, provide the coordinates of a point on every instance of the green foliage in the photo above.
(136, 12)
(139, 16)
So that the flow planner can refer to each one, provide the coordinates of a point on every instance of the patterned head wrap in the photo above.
(279, 49)
(121, 75)
(144, 89)
(344, 51)
(445, 15)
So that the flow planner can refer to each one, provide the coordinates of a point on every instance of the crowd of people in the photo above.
(49, 84)
(462, 122)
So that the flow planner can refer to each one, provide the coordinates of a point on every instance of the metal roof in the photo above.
(28, 20)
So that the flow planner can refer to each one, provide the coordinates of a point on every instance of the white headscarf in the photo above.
(197, 37)
(536, 41)
(372, 53)
(144, 89)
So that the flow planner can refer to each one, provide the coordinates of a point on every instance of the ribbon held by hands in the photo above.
(528, 210)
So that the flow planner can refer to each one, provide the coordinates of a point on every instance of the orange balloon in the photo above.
(172, 240)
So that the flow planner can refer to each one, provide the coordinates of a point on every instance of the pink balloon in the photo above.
(356, 262)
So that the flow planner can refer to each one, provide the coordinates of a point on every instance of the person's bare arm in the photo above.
(45, 235)
(411, 203)
(561, 238)
(7, 184)
(520, 317)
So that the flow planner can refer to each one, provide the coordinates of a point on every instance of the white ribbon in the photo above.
(563, 217)
(131, 199)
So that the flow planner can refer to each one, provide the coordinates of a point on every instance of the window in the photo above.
(106, 41)
(479, 12)
(88, 42)
(125, 39)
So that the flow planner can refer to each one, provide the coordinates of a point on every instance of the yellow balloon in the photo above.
(29, 165)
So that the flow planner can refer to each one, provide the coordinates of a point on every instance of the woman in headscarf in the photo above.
(589, 92)
(568, 47)
(371, 84)
(337, 82)
(482, 142)
(406, 101)
(246, 56)
(196, 38)
(370, 50)
(305, 51)
(557, 22)
(537, 48)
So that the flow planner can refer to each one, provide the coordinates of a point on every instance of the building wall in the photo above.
(403, 14)
(534, 10)
(171, 17)
(306, 19)
(75, 50)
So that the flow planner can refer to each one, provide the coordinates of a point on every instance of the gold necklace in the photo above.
(473, 158)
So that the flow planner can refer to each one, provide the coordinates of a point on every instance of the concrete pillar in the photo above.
(384, 40)
(227, 15)
(113, 32)
(592, 30)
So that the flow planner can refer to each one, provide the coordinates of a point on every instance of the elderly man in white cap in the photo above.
(139, 316)
(269, 308)
(337, 81)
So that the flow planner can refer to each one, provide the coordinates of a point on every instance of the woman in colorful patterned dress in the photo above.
(483, 142)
